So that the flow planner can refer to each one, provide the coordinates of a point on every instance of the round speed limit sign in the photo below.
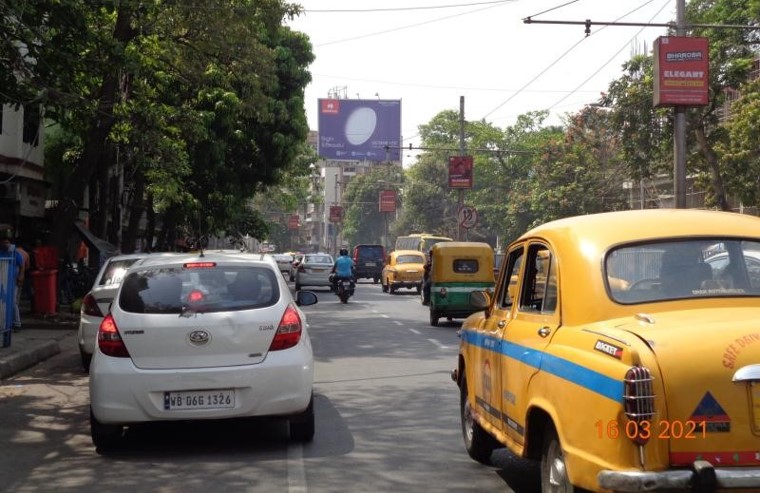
(468, 217)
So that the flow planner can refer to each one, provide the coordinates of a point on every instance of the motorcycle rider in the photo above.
(343, 269)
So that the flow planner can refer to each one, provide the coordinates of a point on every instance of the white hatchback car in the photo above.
(95, 303)
(193, 337)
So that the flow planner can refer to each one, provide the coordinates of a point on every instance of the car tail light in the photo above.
(289, 332)
(90, 306)
(109, 339)
(638, 399)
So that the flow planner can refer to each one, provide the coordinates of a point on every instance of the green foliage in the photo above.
(362, 221)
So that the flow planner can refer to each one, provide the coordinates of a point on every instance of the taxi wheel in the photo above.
(376, 279)
(391, 289)
(477, 441)
(434, 318)
(385, 287)
(554, 477)
(104, 437)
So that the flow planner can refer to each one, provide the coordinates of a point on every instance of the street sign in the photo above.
(293, 221)
(467, 216)
(336, 214)
(387, 201)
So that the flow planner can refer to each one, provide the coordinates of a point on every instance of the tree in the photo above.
(362, 221)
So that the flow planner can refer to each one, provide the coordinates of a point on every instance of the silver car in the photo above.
(95, 304)
(314, 270)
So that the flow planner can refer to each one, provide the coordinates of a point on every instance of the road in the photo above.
(387, 420)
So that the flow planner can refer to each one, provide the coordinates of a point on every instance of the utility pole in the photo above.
(679, 127)
(460, 200)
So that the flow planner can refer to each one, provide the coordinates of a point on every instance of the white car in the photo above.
(284, 260)
(95, 303)
(314, 270)
(193, 337)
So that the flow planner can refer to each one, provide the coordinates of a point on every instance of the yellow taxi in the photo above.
(403, 269)
(625, 355)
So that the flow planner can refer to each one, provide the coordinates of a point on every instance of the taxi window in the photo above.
(509, 282)
(410, 259)
(115, 272)
(683, 268)
(539, 294)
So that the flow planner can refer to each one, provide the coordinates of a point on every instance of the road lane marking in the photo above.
(437, 343)
(397, 322)
(385, 316)
(296, 470)
(415, 331)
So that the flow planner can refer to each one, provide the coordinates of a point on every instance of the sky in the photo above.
(429, 53)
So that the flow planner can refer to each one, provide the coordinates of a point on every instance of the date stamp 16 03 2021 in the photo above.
(658, 430)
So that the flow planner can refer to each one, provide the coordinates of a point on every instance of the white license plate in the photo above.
(411, 272)
(318, 270)
(371, 264)
(199, 399)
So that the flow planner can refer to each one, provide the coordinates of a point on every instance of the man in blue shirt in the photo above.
(343, 269)
(7, 249)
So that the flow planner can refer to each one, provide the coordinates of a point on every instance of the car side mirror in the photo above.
(305, 298)
(480, 300)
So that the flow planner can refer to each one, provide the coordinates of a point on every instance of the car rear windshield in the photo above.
(317, 259)
(370, 252)
(187, 289)
(410, 259)
(115, 272)
(692, 268)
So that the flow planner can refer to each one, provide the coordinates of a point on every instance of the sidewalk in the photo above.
(37, 340)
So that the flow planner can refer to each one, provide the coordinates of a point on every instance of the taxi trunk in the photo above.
(712, 388)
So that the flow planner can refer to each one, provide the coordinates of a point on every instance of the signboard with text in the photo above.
(460, 172)
(293, 221)
(387, 201)
(360, 129)
(336, 214)
(681, 71)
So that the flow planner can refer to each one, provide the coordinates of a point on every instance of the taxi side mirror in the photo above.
(480, 300)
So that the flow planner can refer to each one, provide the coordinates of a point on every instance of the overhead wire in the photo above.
(404, 9)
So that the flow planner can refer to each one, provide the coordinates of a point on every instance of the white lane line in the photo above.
(437, 343)
(415, 331)
(385, 316)
(296, 470)
(397, 322)
(374, 311)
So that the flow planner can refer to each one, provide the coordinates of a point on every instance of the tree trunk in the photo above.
(716, 179)
(150, 228)
(136, 209)
(103, 121)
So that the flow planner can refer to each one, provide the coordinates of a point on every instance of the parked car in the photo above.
(294, 266)
(613, 353)
(403, 269)
(314, 270)
(96, 302)
(199, 338)
(369, 261)
(284, 260)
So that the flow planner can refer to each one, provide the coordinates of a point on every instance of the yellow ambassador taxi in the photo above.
(622, 350)
(403, 269)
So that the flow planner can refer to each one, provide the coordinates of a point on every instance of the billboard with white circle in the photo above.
(360, 129)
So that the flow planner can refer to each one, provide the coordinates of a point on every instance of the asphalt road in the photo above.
(387, 420)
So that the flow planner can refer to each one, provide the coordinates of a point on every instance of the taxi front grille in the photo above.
(638, 394)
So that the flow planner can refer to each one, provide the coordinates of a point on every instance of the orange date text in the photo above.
(659, 430)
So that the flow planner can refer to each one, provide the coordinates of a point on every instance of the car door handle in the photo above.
(501, 324)
(544, 331)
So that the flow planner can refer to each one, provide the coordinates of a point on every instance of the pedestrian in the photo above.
(8, 250)
(26, 288)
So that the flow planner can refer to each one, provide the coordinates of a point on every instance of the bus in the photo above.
(419, 241)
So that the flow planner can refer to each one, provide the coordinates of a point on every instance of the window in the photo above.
(539, 291)
(509, 290)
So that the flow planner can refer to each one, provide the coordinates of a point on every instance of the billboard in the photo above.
(293, 221)
(460, 172)
(360, 129)
(681, 71)
(387, 201)
(336, 213)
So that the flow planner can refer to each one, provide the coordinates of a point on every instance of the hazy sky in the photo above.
(428, 53)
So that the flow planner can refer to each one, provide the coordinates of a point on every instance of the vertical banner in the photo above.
(336, 214)
(387, 201)
(460, 172)
(681, 71)
(293, 221)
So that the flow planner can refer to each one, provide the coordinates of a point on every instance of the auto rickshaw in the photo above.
(458, 268)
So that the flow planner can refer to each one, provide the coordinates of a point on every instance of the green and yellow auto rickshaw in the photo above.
(457, 269)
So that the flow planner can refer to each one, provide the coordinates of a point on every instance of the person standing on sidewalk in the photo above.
(8, 249)
(26, 288)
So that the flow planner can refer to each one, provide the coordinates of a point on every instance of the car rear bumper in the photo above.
(121, 393)
(407, 284)
(703, 477)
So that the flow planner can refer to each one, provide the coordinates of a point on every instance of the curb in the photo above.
(25, 359)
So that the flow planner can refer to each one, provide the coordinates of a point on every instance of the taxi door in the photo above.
(488, 393)
(534, 318)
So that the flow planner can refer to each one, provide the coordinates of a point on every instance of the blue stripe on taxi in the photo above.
(579, 375)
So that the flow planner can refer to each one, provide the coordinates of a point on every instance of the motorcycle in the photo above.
(344, 289)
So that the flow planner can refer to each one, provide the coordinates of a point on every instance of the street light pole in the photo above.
(679, 127)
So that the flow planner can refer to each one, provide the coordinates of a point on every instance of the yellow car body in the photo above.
(623, 351)
(403, 269)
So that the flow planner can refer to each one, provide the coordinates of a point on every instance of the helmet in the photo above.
(343, 251)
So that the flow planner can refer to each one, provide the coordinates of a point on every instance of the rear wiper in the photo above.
(187, 312)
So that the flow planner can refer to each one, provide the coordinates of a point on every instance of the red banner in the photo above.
(336, 214)
(387, 201)
(681, 71)
(293, 221)
(460, 172)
